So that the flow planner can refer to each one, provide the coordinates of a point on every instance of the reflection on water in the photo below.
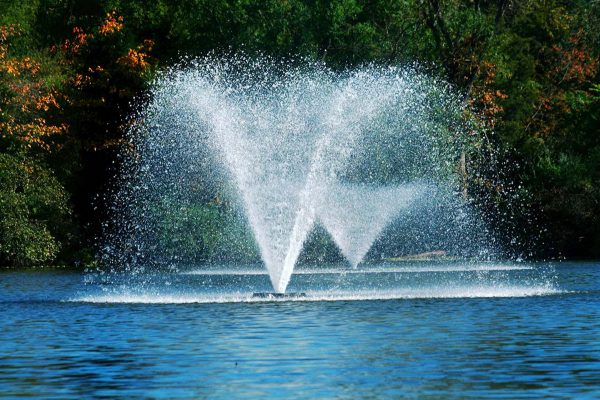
(441, 346)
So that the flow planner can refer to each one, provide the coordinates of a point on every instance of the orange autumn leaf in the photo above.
(28, 102)
(484, 97)
(134, 59)
(138, 58)
(574, 62)
(112, 23)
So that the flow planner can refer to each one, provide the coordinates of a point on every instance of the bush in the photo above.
(33, 208)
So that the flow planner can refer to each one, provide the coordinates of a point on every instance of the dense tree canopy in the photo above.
(528, 70)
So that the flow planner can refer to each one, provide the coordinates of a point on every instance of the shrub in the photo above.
(33, 207)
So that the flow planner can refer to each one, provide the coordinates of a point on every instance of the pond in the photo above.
(427, 330)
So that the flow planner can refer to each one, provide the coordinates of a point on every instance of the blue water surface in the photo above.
(61, 338)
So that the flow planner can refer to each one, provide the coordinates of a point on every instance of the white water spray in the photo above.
(292, 140)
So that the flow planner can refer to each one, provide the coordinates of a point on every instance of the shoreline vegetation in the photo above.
(72, 73)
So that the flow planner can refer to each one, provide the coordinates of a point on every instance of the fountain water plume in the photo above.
(355, 215)
(260, 150)
(291, 138)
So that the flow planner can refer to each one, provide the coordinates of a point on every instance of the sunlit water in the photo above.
(427, 330)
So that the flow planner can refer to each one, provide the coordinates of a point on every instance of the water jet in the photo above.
(289, 145)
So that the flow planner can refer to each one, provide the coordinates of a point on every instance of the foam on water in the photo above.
(311, 296)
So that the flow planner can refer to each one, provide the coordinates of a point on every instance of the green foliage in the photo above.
(201, 232)
(33, 206)
(190, 232)
(22, 13)
(528, 71)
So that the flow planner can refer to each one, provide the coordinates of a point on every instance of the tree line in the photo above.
(527, 70)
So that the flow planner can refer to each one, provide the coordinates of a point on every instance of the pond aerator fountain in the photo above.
(292, 144)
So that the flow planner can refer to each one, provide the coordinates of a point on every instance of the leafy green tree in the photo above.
(34, 209)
